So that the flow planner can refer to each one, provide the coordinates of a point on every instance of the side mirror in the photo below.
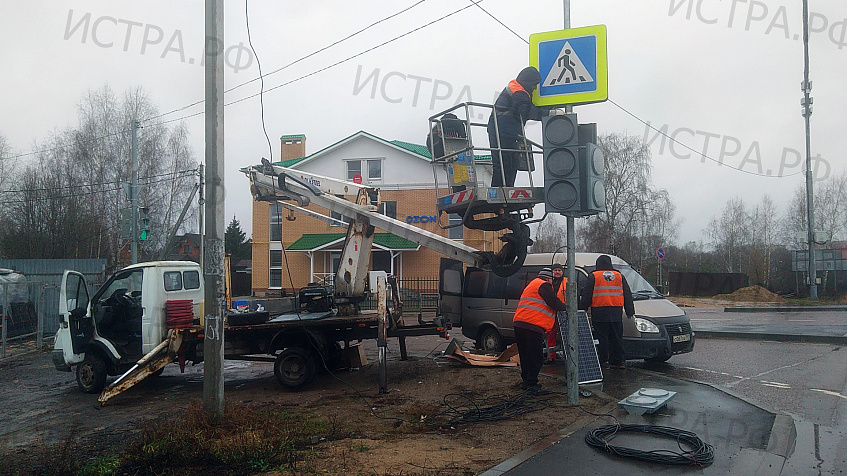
(78, 312)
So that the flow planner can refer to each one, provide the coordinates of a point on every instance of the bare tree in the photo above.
(762, 241)
(627, 186)
(551, 236)
(81, 174)
(730, 234)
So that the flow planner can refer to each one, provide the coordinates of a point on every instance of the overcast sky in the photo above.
(719, 76)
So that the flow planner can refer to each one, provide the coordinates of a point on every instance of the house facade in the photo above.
(308, 249)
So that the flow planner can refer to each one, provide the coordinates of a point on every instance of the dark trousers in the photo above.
(510, 160)
(531, 350)
(610, 338)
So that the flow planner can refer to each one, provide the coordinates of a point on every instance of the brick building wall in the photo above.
(412, 264)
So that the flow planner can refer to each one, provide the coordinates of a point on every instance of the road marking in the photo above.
(801, 320)
(732, 384)
(775, 384)
(694, 320)
(829, 392)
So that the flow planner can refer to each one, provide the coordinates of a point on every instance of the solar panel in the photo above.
(588, 364)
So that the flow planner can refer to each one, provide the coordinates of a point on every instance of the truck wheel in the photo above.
(91, 374)
(294, 367)
(490, 340)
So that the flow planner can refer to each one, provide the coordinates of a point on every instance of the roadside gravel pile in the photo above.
(751, 294)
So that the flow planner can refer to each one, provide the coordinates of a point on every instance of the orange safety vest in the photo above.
(532, 308)
(608, 289)
(563, 293)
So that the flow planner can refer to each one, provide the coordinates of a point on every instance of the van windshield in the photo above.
(641, 289)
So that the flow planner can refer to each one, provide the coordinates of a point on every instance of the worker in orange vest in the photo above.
(560, 284)
(608, 295)
(533, 321)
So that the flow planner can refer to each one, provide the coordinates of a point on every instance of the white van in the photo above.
(483, 304)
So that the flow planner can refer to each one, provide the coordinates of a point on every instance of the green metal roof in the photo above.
(416, 148)
(289, 162)
(314, 241)
(293, 136)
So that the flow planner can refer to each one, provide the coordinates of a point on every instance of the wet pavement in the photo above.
(791, 359)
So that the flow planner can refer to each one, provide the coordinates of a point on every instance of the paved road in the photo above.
(819, 323)
(807, 381)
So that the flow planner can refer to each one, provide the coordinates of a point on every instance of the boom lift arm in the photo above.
(275, 183)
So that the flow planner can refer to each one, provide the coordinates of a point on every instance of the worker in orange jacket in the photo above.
(533, 321)
(608, 295)
(560, 284)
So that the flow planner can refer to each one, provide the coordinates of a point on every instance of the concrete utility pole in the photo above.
(572, 345)
(133, 193)
(807, 112)
(213, 346)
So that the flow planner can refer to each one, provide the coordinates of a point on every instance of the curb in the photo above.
(807, 338)
(786, 309)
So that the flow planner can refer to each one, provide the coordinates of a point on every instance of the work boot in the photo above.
(536, 390)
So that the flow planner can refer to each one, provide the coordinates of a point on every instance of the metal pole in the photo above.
(573, 319)
(807, 112)
(213, 382)
(133, 193)
(5, 321)
(202, 206)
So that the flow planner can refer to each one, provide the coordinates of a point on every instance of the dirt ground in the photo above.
(41, 406)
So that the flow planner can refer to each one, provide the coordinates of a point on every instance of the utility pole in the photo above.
(572, 345)
(213, 345)
(807, 112)
(202, 202)
(133, 192)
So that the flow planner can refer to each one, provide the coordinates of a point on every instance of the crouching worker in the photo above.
(533, 321)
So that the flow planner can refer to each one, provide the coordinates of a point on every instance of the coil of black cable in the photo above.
(700, 454)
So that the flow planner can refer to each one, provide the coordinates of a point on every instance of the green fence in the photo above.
(417, 294)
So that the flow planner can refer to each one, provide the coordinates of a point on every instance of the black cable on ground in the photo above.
(461, 409)
(700, 454)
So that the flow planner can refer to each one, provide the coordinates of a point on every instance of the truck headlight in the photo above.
(645, 326)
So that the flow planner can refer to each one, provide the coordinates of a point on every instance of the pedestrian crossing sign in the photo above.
(572, 64)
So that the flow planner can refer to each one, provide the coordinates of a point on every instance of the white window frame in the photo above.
(272, 269)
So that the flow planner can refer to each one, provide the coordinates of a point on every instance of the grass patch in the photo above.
(245, 440)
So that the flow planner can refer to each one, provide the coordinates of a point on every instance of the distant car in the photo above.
(483, 304)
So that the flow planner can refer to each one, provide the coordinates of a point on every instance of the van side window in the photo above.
(191, 279)
(476, 282)
(496, 286)
(173, 280)
(515, 285)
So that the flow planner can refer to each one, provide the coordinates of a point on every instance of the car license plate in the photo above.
(682, 338)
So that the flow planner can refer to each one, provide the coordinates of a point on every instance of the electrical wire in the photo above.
(701, 453)
(647, 123)
(461, 409)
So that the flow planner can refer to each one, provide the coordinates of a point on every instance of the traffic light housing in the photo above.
(561, 159)
(144, 223)
(591, 171)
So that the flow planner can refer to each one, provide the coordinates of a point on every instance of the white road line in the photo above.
(828, 392)
(801, 320)
(707, 320)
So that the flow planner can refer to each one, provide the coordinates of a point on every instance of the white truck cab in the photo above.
(107, 333)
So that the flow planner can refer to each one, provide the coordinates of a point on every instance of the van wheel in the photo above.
(295, 367)
(91, 374)
(490, 340)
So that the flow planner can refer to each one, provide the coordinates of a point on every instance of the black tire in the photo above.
(91, 374)
(660, 359)
(490, 340)
(295, 367)
(157, 373)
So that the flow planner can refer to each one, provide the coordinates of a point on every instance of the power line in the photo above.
(95, 184)
(647, 123)
(259, 78)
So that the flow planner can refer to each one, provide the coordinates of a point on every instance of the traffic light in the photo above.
(561, 170)
(591, 171)
(144, 223)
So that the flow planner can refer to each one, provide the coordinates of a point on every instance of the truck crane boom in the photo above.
(275, 183)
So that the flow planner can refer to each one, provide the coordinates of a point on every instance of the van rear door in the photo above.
(450, 274)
